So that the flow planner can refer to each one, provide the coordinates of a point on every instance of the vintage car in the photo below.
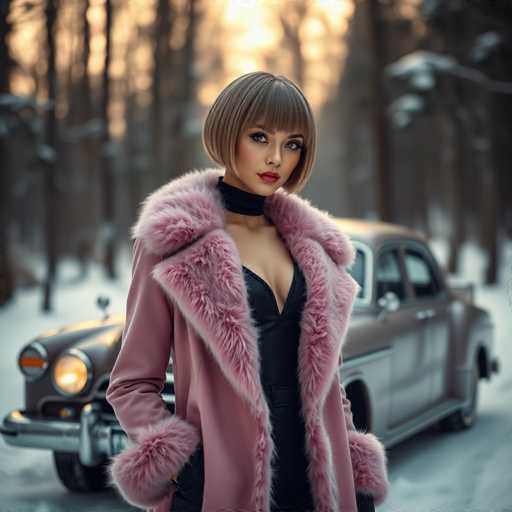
(415, 352)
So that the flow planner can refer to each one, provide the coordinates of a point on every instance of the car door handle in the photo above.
(425, 314)
(421, 315)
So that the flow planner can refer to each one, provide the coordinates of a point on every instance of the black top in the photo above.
(278, 342)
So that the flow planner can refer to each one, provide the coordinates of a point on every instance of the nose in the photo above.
(274, 154)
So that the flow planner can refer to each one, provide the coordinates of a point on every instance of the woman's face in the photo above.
(259, 151)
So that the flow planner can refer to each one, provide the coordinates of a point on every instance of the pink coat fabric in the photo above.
(188, 299)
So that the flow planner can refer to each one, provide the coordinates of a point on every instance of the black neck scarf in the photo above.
(239, 201)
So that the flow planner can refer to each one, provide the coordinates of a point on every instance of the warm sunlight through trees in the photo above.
(248, 34)
(412, 100)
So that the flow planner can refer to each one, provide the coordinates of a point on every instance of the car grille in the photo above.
(61, 410)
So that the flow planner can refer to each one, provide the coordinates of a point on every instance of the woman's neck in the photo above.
(250, 222)
(242, 208)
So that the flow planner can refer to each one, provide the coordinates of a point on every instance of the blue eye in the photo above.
(255, 138)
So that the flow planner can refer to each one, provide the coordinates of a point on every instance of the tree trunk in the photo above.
(109, 226)
(382, 145)
(186, 92)
(458, 176)
(49, 164)
(160, 50)
(491, 195)
(6, 271)
(88, 145)
(291, 31)
(456, 32)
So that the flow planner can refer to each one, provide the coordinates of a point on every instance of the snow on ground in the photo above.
(29, 480)
(469, 471)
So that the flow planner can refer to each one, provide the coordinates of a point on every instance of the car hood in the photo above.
(78, 335)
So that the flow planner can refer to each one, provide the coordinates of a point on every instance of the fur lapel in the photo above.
(201, 272)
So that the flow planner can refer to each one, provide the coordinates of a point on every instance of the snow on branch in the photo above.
(420, 68)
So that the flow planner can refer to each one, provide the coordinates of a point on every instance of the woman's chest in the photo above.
(266, 256)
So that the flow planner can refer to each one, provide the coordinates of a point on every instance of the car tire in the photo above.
(466, 417)
(79, 478)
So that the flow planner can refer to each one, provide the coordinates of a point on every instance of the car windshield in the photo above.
(357, 271)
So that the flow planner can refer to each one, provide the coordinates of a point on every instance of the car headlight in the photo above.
(33, 361)
(72, 372)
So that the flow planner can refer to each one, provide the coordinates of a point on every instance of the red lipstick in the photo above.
(269, 177)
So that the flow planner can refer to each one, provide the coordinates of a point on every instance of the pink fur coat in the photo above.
(188, 299)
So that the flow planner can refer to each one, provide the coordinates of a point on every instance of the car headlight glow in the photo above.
(33, 361)
(72, 372)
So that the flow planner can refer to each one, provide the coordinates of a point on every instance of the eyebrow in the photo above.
(273, 131)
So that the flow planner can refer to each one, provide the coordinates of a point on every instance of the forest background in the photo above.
(102, 101)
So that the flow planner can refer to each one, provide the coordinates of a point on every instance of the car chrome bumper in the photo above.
(91, 438)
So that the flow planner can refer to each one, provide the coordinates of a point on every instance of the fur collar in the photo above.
(190, 206)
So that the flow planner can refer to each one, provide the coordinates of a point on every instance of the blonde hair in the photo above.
(260, 96)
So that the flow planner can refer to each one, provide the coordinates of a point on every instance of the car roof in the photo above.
(374, 232)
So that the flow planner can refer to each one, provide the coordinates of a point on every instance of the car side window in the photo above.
(388, 275)
(357, 271)
(421, 275)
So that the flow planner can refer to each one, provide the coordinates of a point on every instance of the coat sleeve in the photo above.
(159, 442)
(347, 406)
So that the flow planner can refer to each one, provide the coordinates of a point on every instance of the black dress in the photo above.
(278, 343)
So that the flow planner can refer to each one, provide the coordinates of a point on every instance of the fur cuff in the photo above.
(369, 464)
(142, 472)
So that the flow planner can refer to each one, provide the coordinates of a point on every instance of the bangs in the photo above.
(280, 108)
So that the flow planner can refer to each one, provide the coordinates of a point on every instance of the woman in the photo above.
(245, 285)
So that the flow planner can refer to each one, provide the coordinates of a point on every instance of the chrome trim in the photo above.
(89, 451)
(352, 362)
(92, 437)
(41, 349)
(425, 314)
(366, 299)
(420, 422)
(20, 430)
(88, 364)
(439, 275)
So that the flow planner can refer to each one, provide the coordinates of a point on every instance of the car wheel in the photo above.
(79, 478)
(466, 417)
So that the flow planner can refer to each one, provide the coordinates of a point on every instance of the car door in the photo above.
(431, 303)
(409, 383)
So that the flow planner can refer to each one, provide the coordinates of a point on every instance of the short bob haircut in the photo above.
(257, 97)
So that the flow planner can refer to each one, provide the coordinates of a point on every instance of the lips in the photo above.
(270, 174)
